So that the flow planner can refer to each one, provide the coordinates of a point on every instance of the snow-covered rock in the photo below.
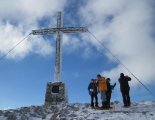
(77, 111)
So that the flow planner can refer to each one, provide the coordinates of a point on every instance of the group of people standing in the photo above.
(103, 86)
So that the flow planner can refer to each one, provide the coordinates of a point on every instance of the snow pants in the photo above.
(108, 97)
(103, 99)
(94, 96)
(126, 97)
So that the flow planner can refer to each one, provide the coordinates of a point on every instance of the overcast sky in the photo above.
(125, 27)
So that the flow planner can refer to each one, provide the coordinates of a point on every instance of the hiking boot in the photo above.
(125, 106)
(92, 106)
(96, 105)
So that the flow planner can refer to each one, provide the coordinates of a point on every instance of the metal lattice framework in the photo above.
(59, 30)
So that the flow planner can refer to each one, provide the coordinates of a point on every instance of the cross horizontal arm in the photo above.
(56, 30)
(73, 29)
(44, 31)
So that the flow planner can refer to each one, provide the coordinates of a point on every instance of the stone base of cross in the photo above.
(55, 93)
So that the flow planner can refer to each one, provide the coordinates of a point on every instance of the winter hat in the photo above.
(108, 79)
(98, 75)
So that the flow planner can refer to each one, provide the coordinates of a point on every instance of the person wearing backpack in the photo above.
(125, 89)
(102, 88)
(109, 91)
(92, 88)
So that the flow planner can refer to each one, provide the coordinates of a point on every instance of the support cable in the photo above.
(6, 54)
(122, 64)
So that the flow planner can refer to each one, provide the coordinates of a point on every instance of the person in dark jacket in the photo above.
(125, 88)
(109, 91)
(92, 88)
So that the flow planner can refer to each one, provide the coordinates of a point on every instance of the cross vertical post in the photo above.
(58, 55)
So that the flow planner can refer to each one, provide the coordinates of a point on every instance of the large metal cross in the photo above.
(58, 30)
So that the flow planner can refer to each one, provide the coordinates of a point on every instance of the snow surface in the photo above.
(77, 111)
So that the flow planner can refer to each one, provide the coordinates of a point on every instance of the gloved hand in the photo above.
(113, 86)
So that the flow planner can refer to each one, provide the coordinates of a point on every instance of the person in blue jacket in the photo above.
(92, 89)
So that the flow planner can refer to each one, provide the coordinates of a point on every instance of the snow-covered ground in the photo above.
(137, 111)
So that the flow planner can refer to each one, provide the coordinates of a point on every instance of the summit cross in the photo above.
(59, 30)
